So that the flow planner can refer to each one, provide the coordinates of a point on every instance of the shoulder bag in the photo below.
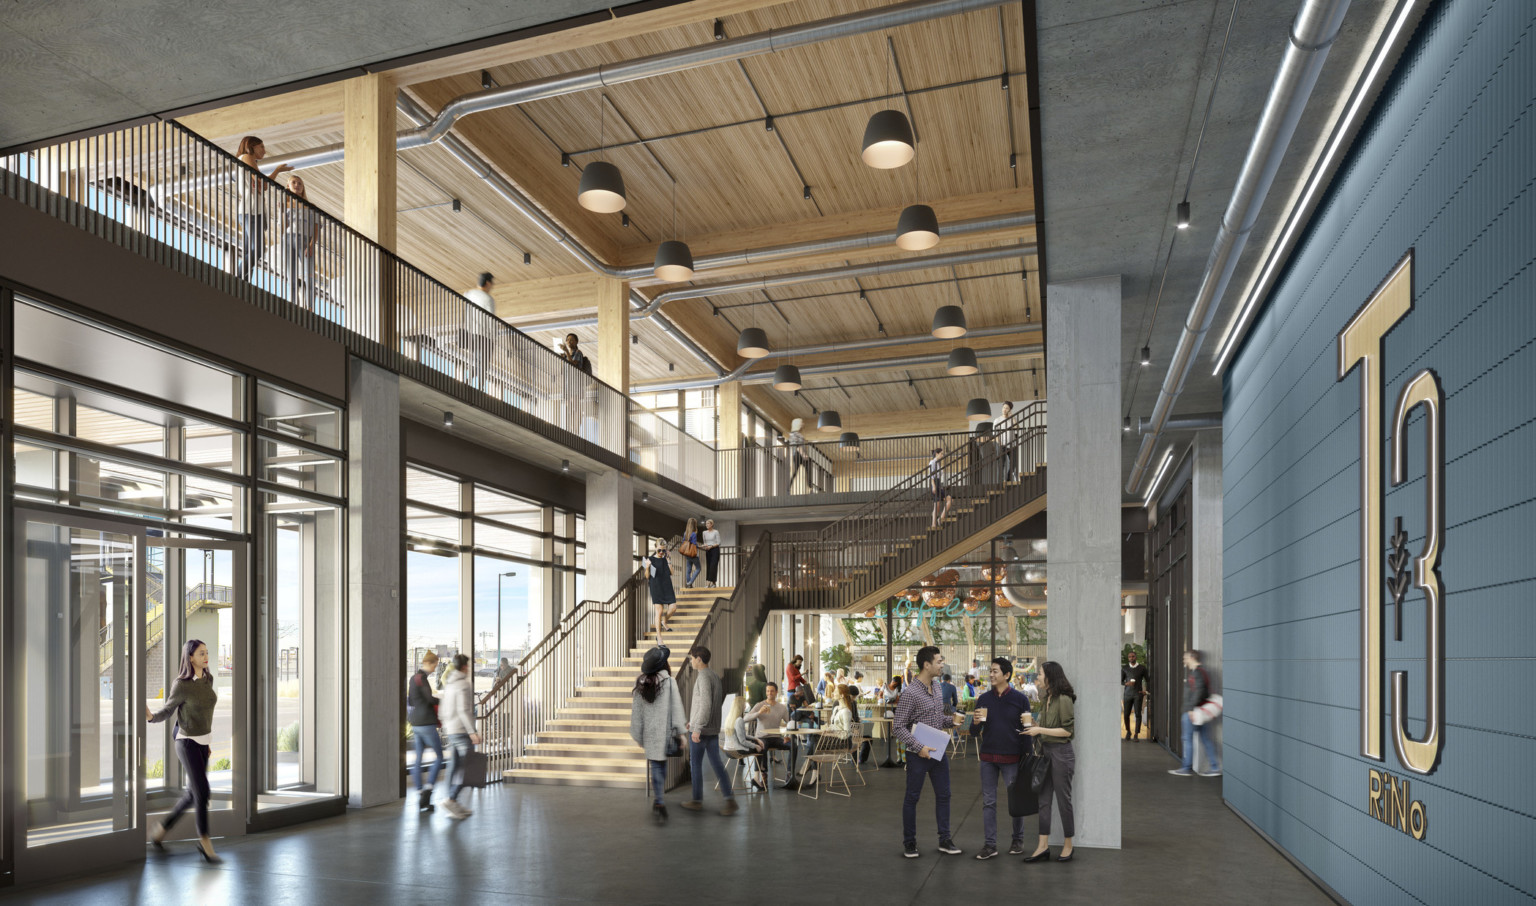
(688, 548)
(674, 742)
(1024, 794)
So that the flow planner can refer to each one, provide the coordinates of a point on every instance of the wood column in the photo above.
(728, 437)
(612, 359)
(369, 186)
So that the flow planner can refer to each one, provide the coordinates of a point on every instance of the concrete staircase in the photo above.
(587, 742)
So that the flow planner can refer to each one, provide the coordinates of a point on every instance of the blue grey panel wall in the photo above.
(1446, 167)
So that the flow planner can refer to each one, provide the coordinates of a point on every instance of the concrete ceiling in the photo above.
(72, 65)
(1124, 86)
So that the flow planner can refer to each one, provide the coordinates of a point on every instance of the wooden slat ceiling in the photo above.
(742, 178)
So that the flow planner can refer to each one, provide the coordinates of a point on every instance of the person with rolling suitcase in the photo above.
(457, 713)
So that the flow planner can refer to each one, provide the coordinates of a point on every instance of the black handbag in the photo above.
(1023, 800)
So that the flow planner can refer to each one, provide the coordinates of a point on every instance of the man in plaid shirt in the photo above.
(922, 701)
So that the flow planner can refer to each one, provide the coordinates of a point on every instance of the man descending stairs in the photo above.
(587, 742)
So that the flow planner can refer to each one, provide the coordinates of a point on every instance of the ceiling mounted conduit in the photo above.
(1313, 32)
(772, 41)
(911, 361)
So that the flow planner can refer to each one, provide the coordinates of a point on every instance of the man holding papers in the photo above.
(922, 726)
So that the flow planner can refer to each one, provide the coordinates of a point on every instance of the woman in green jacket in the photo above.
(1055, 731)
(192, 700)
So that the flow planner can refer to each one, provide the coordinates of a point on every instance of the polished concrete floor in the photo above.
(547, 845)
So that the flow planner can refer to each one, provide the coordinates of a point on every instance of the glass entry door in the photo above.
(195, 590)
(76, 624)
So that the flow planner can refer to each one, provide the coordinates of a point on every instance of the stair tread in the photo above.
(515, 773)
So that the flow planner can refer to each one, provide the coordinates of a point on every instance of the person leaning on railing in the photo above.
(250, 190)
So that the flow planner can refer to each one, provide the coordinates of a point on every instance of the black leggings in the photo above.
(194, 761)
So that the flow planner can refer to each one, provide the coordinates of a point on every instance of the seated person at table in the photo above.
(763, 722)
(842, 723)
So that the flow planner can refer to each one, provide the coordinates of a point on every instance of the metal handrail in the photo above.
(592, 634)
(768, 474)
(732, 623)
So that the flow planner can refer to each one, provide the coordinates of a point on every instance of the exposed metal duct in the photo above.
(766, 377)
(1198, 422)
(844, 272)
(771, 41)
(1313, 32)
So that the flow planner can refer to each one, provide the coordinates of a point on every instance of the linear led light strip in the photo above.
(1158, 478)
(1365, 88)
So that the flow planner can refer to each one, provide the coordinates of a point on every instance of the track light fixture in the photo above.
(962, 361)
(917, 228)
(719, 30)
(1146, 356)
(624, 221)
(1183, 221)
(949, 322)
(565, 465)
(787, 377)
(1013, 161)
(447, 419)
(805, 192)
(768, 123)
(1126, 425)
(1005, 81)
(565, 159)
(752, 343)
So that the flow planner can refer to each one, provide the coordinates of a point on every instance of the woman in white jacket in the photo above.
(658, 717)
(456, 711)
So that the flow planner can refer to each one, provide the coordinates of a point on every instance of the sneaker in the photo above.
(948, 847)
(659, 812)
(987, 852)
(1215, 773)
(424, 800)
(1182, 772)
(910, 851)
(1016, 848)
(455, 810)
(694, 805)
(731, 807)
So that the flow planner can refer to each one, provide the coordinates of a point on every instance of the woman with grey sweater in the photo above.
(657, 718)
(192, 700)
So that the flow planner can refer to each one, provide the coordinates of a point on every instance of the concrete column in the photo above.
(1083, 625)
(1205, 578)
(375, 640)
(610, 533)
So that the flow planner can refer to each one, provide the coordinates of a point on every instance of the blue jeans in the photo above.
(427, 736)
(692, 570)
(991, 772)
(658, 771)
(460, 746)
(1188, 734)
(710, 745)
(918, 769)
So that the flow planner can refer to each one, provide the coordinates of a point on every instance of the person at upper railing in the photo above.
(794, 441)
(1007, 436)
(480, 294)
(301, 230)
(251, 190)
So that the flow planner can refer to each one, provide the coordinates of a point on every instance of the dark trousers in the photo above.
(459, 747)
(995, 774)
(1058, 781)
(708, 745)
(919, 769)
(712, 565)
(253, 244)
(194, 762)
(1131, 706)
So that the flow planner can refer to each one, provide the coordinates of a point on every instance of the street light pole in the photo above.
(499, 649)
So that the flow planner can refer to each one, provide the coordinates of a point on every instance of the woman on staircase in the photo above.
(663, 596)
(690, 551)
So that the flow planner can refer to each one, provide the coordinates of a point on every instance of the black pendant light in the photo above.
(949, 322)
(917, 228)
(978, 410)
(674, 260)
(786, 377)
(849, 441)
(962, 361)
(888, 141)
(602, 186)
(829, 420)
(752, 344)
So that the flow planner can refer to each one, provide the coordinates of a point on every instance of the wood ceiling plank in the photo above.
(547, 295)
(316, 109)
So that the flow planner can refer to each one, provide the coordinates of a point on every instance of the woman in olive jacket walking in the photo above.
(192, 700)
(658, 716)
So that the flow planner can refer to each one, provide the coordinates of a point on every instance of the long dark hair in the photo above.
(1056, 681)
(187, 650)
(649, 684)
